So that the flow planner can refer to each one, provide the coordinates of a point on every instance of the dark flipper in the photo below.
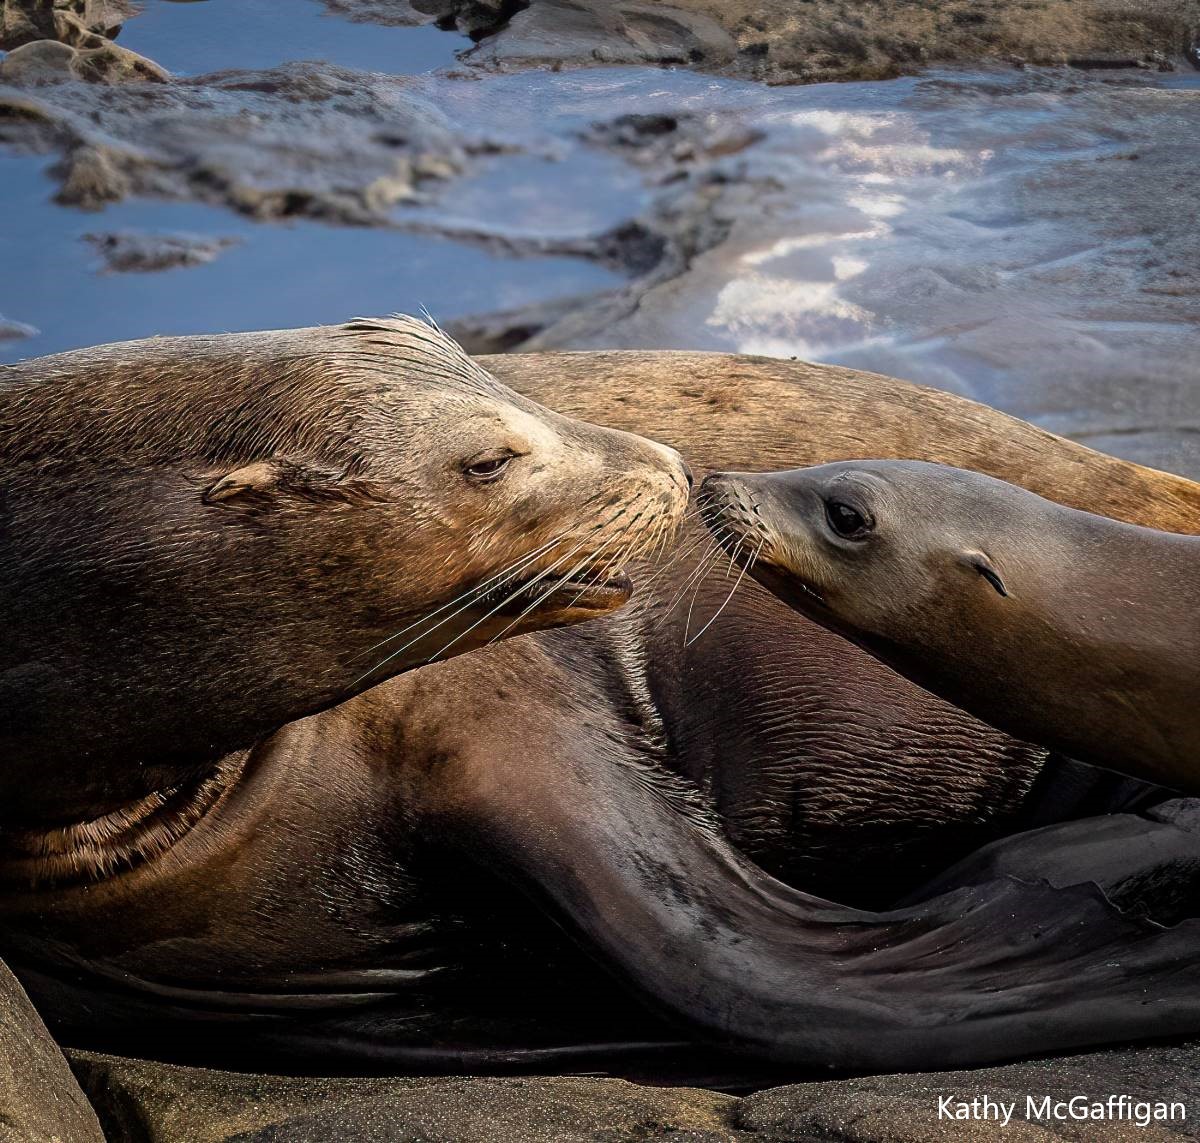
(991, 970)
(1146, 864)
(1066, 789)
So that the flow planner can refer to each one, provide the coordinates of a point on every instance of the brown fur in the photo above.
(348, 877)
(1064, 627)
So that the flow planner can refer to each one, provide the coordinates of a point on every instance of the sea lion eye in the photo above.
(847, 522)
(487, 466)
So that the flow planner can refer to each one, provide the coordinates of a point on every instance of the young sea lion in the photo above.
(1059, 626)
(386, 884)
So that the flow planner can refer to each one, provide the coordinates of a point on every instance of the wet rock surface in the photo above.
(133, 251)
(13, 330)
(160, 1103)
(819, 40)
(310, 139)
(39, 1098)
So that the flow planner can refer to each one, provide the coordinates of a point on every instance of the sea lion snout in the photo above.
(745, 509)
(769, 522)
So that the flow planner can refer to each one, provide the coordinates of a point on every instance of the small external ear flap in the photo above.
(258, 486)
(250, 486)
(980, 563)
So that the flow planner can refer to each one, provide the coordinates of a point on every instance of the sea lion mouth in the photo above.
(544, 592)
(784, 582)
(588, 593)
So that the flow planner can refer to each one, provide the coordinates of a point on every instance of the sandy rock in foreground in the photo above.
(39, 1099)
(160, 1103)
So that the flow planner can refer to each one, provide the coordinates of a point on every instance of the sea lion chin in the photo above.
(246, 529)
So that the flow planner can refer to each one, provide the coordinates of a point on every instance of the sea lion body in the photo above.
(426, 875)
(1060, 626)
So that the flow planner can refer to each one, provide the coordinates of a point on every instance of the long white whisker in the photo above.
(445, 619)
(703, 566)
(524, 587)
(564, 579)
(745, 568)
(676, 557)
(481, 588)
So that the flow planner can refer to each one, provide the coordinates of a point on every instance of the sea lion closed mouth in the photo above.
(1059, 626)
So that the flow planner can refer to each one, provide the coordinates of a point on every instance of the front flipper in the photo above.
(1146, 864)
(567, 804)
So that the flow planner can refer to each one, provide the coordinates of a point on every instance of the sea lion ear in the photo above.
(980, 562)
(251, 486)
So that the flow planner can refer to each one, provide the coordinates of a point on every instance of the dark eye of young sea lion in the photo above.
(846, 520)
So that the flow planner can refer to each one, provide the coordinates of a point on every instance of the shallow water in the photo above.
(1027, 238)
(191, 37)
(277, 275)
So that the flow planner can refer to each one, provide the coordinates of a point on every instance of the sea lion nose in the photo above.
(676, 462)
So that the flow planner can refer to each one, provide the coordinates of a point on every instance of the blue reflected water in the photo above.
(212, 35)
(299, 273)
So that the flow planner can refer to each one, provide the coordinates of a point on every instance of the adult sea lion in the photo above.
(1057, 625)
(384, 884)
(206, 539)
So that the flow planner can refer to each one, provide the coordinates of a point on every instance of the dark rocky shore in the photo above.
(316, 141)
(782, 41)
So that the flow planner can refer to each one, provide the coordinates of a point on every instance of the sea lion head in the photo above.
(868, 548)
(210, 536)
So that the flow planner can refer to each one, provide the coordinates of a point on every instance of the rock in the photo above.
(159, 1103)
(305, 139)
(574, 31)
(505, 330)
(92, 176)
(15, 330)
(71, 21)
(49, 61)
(475, 18)
(141, 252)
(39, 1098)
(39, 61)
(661, 142)
(905, 1108)
(783, 41)
(389, 13)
